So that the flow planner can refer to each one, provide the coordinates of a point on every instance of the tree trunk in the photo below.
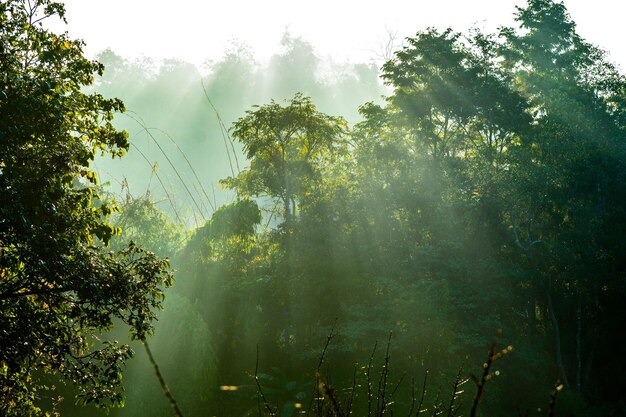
(287, 210)
(579, 328)
(557, 335)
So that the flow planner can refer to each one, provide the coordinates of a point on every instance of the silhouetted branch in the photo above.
(166, 390)
(369, 381)
(258, 386)
(557, 388)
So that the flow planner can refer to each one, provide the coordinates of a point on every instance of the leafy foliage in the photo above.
(286, 146)
(142, 222)
(484, 197)
(60, 286)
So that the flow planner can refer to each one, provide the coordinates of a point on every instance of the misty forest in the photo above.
(438, 232)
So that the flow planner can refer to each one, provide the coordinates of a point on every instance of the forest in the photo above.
(442, 232)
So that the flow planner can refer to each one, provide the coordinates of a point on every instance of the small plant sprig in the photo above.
(379, 394)
(261, 395)
(492, 357)
(557, 388)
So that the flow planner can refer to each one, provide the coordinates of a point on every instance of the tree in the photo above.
(294, 69)
(286, 146)
(146, 225)
(453, 96)
(60, 286)
(570, 188)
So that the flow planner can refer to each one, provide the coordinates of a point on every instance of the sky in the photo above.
(345, 30)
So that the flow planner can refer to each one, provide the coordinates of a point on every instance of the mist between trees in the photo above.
(190, 109)
(443, 235)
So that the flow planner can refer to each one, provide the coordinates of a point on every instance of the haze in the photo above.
(343, 209)
(196, 30)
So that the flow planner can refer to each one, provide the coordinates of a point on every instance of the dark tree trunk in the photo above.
(579, 328)
(557, 335)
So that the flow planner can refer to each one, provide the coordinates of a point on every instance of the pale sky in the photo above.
(197, 30)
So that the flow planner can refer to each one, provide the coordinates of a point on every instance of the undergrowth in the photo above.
(373, 392)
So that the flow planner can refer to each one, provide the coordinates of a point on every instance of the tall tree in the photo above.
(569, 188)
(453, 96)
(60, 286)
(286, 146)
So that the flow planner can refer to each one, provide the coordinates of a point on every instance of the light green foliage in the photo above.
(233, 84)
(236, 219)
(454, 95)
(59, 287)
(142, 222)
(287, 146)
(294, 70)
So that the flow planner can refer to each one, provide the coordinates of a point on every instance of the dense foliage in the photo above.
(60, 286)
(486, 196)
(483, 198)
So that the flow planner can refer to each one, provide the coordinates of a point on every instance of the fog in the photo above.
(392, 209)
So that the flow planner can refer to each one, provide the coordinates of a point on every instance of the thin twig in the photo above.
(480, 385)
(455, 387)
(419, 407)
(166, 390)
(437, 404)
(224, 131)
(382, 383)
(557, 388)
(193, 171)
(369, 381)
(318, 375)
(258, 386)
(151, 136)
(350, 399)
(169, 198)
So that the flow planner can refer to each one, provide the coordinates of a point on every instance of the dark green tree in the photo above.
(452, 95)
(60, 286)
(569, 190)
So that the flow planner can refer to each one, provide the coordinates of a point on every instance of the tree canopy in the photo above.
(61, 287)
(286, 147)
(484, 197)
